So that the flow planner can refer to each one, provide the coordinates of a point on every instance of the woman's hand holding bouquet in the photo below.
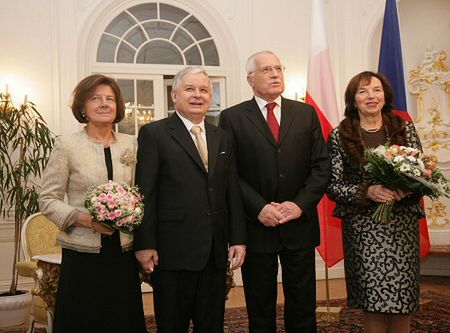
(401, 171)
(115, 205)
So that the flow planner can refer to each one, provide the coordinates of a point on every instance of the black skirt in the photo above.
(99, 292)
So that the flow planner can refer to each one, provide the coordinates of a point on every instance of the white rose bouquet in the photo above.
(404, 168)
(115, 205)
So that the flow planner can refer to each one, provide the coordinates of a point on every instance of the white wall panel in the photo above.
(43, 48)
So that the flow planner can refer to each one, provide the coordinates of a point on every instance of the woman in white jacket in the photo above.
(99, 289)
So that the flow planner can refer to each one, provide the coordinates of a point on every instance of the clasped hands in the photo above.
(379, 193)
(275, 213)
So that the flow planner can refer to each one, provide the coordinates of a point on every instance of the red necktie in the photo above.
(272, 120)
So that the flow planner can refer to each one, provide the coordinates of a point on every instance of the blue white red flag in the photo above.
(391, 65)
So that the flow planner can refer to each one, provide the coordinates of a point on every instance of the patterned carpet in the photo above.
(434, 318)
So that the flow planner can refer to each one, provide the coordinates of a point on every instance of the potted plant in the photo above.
(25, 146)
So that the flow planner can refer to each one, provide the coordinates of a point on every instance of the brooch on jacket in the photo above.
(128, 158)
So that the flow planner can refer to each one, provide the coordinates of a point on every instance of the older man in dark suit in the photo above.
(193, 220)
(283, 167)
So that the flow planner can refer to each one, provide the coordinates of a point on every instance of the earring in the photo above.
(83, 115)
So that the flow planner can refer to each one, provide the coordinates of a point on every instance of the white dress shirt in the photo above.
(189, 124)
(276, 111)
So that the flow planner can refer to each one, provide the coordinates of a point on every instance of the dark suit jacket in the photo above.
(294, 169)
(186, 208)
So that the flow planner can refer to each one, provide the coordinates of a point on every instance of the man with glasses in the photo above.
(283, 167)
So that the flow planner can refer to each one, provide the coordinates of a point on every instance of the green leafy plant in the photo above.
(25, 146)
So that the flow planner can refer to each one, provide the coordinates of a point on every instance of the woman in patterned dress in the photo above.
(381, 260)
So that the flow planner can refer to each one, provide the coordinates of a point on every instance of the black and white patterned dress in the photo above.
(381, 260)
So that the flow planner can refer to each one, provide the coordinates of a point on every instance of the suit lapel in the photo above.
(287, 117)
(254, 114)
(180, 134)
(212, 141)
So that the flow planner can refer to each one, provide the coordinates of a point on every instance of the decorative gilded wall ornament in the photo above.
(436, 213)
(429, 82)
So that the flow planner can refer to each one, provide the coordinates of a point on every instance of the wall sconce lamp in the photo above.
(296, 89)
(300, 96)
(7, 98)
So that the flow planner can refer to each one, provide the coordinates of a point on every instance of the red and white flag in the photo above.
(320, 93)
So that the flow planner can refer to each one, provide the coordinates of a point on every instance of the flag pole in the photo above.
(327, 288)
(330, 314)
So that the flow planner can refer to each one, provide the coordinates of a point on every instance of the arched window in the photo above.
(143, 47)
(157, 33)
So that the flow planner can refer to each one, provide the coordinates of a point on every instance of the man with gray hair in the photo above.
(193, 220)
(283, 168)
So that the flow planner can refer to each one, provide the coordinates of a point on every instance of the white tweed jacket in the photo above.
(75, 164)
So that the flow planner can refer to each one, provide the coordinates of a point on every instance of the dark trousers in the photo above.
(259, 274)
(180, 296)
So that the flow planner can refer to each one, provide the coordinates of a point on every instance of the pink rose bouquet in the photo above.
(406, 169)
(116, 205)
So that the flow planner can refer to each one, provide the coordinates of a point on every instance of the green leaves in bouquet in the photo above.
(382, 213)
